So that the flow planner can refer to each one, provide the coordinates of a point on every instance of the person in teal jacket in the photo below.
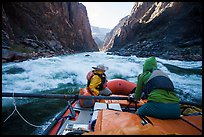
(162, 101)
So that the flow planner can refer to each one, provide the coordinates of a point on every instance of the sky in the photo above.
(107, 14)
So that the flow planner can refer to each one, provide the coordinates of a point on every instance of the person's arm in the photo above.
(95, 81)
(138, 90)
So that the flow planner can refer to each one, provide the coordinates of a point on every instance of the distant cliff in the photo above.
(109, 39)
(170, 30)
(99, 35)
(33, 29)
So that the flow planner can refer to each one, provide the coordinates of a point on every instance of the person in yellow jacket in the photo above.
(97, 81)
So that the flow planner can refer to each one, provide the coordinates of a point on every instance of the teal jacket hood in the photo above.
(150, 64)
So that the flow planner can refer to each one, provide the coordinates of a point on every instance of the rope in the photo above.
(15, 109)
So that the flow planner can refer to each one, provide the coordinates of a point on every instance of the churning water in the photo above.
(67, 74)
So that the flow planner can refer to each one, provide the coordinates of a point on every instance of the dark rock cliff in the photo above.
(33, 29)
(170, 30)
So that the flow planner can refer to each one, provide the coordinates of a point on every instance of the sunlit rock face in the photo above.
(170, 30)
(109, 39)
(34, 29)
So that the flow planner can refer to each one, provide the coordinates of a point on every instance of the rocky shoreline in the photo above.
(190, 51)
(13, 56)
(162, 56)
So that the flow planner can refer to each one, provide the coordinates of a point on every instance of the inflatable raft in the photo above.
(117, 117)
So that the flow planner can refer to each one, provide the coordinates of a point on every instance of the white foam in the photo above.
(48, 73)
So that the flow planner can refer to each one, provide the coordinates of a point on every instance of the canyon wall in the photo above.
(169, 30)
(34, 29)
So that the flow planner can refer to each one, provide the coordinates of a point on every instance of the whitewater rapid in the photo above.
(61, 72)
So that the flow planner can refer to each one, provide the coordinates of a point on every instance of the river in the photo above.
(67, 74)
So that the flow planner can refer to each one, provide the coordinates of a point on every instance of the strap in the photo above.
(131, 101)
(190, 123)
(88, 89)
(146, 120)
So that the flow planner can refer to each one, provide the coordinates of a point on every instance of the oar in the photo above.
(65, 96)
(61, 96)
